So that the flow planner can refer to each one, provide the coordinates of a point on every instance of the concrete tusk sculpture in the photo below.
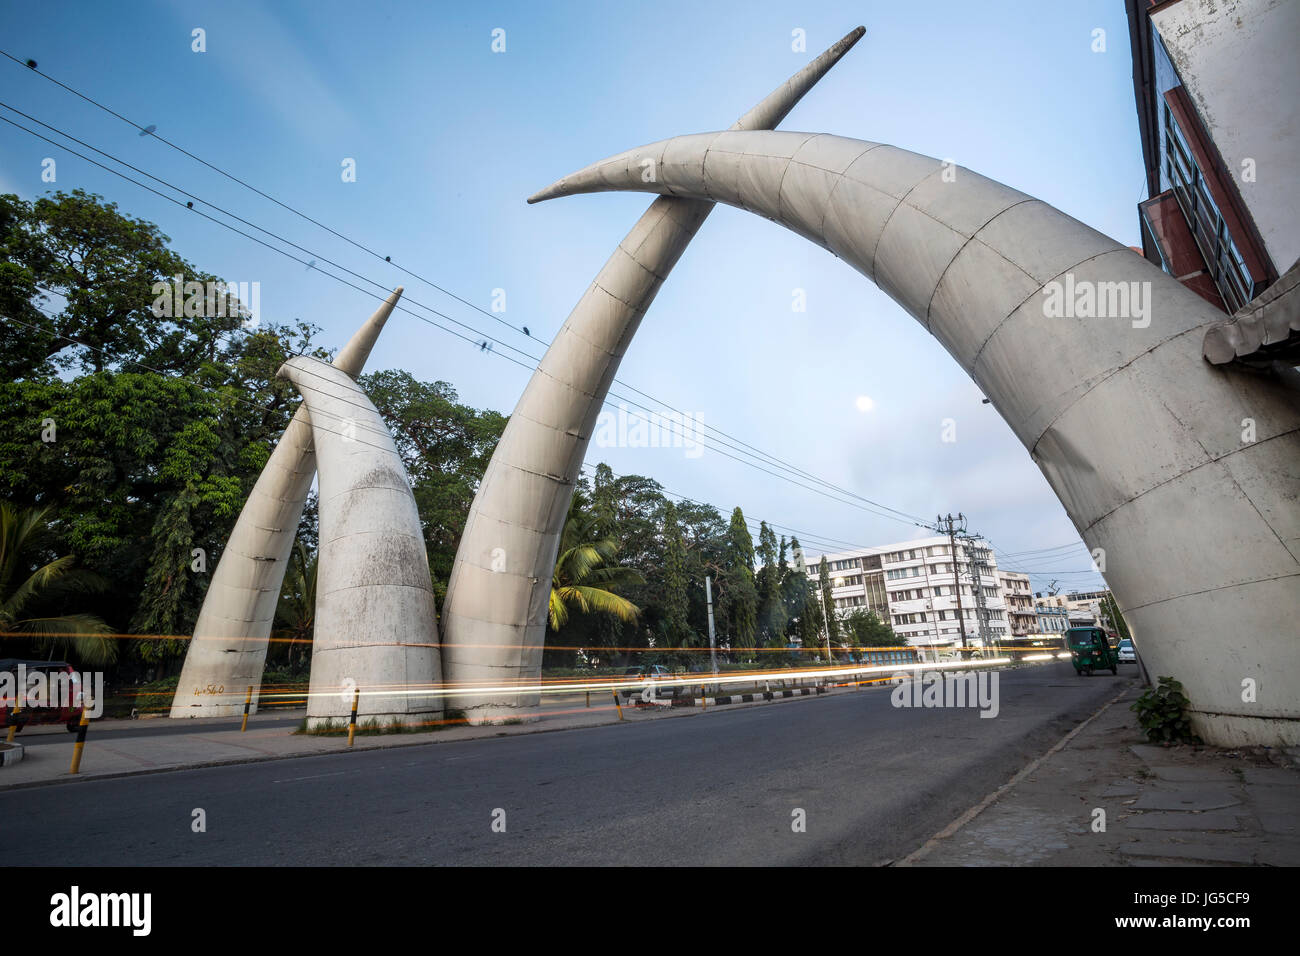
(228, 651)
(376, 626)
(494, 617)
(1093, 357)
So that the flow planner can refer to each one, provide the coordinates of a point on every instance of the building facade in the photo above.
(913, 586)
(1053, 615)
(1021, 616)
(1215, 84)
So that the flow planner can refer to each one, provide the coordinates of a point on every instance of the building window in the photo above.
(1224, 260)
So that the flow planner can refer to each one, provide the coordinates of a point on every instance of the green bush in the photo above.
(1162, 712)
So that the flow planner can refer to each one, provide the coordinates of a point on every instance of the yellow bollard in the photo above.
(618, 705)
(352, 721)
(13, 726)
(248, 699)
(81, 742)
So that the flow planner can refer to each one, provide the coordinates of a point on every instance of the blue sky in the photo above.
(449, 138)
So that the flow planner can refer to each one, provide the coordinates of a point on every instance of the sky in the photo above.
(448, 137)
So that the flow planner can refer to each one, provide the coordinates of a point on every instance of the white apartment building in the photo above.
(1075, 609)
(1085, 606)
(913, 586)
(1022, 617)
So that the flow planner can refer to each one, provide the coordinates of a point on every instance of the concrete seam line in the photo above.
(929, 846)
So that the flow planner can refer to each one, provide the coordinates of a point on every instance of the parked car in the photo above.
(1127, 655)
(650, 676)
(66, 711)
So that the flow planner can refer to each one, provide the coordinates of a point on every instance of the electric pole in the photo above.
(954, 526)
(713, 645)
(978, 562)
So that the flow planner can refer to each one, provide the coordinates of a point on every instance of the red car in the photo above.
(66, 709)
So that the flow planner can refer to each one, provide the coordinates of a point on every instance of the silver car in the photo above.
(1127, 655)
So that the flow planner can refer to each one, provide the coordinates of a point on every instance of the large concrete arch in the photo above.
(1140, 438)
(227, 653)
(376, 625)
(494, 617)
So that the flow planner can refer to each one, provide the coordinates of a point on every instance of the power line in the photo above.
(212, 390)
(814, 539)
(150, 131)
(871, 507)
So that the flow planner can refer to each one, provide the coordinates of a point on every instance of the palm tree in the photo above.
(85, 634)
(582, 580)
(296, 612)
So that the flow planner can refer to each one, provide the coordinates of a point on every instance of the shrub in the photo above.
(1162, 712)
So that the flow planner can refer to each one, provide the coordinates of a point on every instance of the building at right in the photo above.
(1215, 83)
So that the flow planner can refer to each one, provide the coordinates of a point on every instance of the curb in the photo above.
(10, 754)
(750, 698)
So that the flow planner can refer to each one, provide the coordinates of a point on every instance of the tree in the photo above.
(143, 431)
(830, 618)
(1111, 613)
(295, 615)
(104, 267)
(676, 581)
(583, 578)
(864, 629)
(739, 598)
(771, 608)
(804, 601)
(24, 535)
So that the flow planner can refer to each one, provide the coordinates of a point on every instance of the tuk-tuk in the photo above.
(1090, 650)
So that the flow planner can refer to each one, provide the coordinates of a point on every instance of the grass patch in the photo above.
(154, 697)
(375, 727)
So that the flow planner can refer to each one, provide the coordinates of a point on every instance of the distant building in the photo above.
(913, 586)
(1053, 619)
(1020, 603)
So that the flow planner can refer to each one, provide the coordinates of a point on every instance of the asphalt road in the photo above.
(715, 787)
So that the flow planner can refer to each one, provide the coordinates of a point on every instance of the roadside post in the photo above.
(352, 720)
(81, 741)
(248, 700)
(13, 719)
(618, 705)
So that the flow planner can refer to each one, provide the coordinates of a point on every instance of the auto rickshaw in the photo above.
(1090, 650)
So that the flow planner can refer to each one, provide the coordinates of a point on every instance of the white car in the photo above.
(1127, 655)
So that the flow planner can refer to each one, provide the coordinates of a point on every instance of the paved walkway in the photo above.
(1160, 806)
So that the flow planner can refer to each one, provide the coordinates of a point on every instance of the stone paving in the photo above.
(1159, 806)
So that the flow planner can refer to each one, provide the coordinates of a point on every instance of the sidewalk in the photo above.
(1162, 806)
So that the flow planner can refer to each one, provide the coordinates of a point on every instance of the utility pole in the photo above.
(713, 644)
(954, 526)
(978, 562)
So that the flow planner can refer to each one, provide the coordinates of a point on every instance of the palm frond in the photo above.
(85, 634)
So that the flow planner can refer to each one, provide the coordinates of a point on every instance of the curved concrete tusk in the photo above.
(376, 624)
(228, 649)
(1093, 357)
(494, 617)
